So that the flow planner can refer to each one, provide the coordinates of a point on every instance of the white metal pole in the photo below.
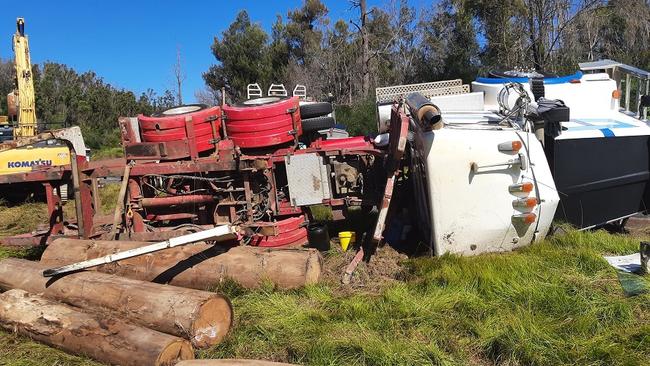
(217, 232)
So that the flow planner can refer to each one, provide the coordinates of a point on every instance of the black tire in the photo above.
(315, 110)
(316, 124)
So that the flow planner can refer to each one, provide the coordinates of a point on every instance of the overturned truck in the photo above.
(468, 171)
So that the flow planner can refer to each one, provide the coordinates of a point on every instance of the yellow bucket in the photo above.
(346, 238)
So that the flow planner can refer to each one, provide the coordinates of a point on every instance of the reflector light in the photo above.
(525, 187)
(510, 146)
(525, 202)
(616, 94)
(527, 218)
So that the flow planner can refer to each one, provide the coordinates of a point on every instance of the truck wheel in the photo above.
(315, 110)
(175, 117)
(317, 124)
(260, 101)
(181, 109)
(260, 108)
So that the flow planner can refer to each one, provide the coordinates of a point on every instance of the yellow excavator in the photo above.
(18, 158)
(24, 150)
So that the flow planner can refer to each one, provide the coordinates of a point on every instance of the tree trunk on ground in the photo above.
(232, 362)
(103, 338)
(199, 266)
(202, 317)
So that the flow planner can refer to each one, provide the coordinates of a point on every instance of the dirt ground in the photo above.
(384, 266)
(387, 264)
(638, 226)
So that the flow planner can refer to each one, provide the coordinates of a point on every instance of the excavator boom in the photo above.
(26, 98)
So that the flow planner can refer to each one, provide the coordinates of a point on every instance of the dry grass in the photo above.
(21, 219)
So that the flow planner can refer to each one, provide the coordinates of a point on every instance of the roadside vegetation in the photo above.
(344, 57)
(556, 302)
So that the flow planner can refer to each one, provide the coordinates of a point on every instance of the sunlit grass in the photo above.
(556, 302)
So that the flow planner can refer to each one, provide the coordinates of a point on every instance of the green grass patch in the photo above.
(21, 219)
(557, 302)
(107, 152)
(108, 197)
(21, 351)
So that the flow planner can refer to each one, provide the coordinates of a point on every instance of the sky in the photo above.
(132, 44)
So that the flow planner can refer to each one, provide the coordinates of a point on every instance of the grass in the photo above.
(108, 152)
(557, 302)
(21, 219)
(30, 215)
(108, 197)
(554, 303)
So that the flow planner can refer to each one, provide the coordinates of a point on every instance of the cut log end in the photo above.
(314, 266)
(174, 352)
(212, 322)
(101, 337)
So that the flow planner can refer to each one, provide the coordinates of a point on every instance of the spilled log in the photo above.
(103, 338)
(202, 317)
(199, 266)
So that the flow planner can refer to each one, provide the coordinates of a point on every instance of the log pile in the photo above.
(202, 317)
(137, 311)
(198, 266)
(104, 338)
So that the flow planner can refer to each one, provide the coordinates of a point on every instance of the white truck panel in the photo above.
(473, 212)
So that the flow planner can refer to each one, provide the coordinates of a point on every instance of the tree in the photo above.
(626, 33)
(362, 27)
(407, 38)
(278, 52)
(242, 56)
(66, 98)
(452, 39)
(501, 27)
(179, 75)
(208, 96)
(302, 32)
(339, 61)
(307, 53)
(7, 76)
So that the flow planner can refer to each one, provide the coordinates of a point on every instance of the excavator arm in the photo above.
(26, 97)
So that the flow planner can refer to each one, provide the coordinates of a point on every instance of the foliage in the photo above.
(448, 39)
(302, 34)
(107, 152)
(453, 27)
(108, 197)
(66, 98)
(243, 57)
(6, 84)
(358, 118)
